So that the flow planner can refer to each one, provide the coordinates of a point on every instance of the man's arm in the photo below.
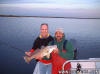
(33, 48)
(36, 44)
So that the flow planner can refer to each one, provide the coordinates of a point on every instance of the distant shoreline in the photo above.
(47, 17)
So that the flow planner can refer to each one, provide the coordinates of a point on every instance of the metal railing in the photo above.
(81, 70)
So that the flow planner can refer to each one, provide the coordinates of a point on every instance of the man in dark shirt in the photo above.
(43, 66)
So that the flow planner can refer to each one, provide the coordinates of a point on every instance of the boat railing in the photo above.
(82, 67)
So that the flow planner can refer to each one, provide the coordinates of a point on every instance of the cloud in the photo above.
(53, 1)
(47, 10)
(53, 7)
(78, 4)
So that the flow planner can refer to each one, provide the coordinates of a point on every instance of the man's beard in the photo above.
(58, 38)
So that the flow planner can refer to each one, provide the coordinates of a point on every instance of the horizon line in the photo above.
(50, 17)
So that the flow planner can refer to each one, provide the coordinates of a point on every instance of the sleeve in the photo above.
(32, 50)
(69, 54)
(35, 46)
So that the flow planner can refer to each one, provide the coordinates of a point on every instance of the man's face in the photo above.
(59, 36)
(44, 30)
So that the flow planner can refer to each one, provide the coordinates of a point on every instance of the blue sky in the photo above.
(90, 7)
(51, 1)
(60, 2)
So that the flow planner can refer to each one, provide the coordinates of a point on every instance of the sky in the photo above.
(51, 7)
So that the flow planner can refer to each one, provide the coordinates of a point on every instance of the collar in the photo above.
(43, 37)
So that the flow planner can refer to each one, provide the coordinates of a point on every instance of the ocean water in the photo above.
(20, 33)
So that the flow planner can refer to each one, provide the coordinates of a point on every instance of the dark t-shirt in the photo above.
(41, 42)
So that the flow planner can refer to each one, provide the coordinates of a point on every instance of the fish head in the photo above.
(51, 48)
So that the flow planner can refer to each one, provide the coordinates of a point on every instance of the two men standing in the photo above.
(63, 52)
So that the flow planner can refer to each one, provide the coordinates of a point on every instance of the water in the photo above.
(21, 33)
